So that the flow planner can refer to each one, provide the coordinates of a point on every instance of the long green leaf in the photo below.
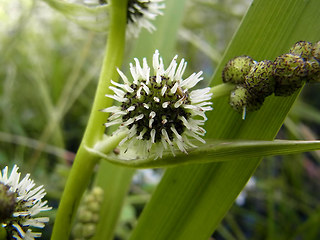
(219, 151)
(191, 201)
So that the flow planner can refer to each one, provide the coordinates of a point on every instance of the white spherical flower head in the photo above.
(141, 13)
(159, 109)
(20, 202)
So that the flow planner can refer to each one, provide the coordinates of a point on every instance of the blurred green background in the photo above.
(49, 67)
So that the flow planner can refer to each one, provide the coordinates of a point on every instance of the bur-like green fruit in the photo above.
(290, 72)
(316, 50)
(236, 69)
(241, 99)
(313, 67)
(302, 49)
(260, 80)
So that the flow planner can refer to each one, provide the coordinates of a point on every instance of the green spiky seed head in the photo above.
(238, 98)
(285, 90)
(302, 49)
(241, 98)
(313, 67)
(290, 72)
(316, 50)
(290, 65)
(260, 80)
(236, 69)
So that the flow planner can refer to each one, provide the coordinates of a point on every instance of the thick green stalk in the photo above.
(84, 162)
(222, 90)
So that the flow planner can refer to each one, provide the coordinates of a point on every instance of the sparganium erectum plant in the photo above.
(161, 115)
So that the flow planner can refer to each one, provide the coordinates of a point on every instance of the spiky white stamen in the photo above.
(163, 90)
(116, 115)
(171, 69)
(165, 104)
(145, 88)
(128, 122)
(111, 109)
(139, 117)
(180, 70)
(158, 78)
(152, 114)
(125, 87)
(117, 98)
(153, 134)
(150, 122)
(174, 88)
(131, 108)
(179, 103)
(123, 77)
(114, 122)
(173, 129)
(140, 137)
(139, 92)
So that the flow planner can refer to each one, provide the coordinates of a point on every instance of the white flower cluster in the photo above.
(27, 203)
(141, 13)
(159, 109)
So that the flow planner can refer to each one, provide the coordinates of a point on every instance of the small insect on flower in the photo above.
(158, 108)
(20, 202)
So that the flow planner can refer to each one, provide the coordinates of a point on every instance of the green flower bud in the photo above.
(88, 215)
(77, 230)
(316, 50)
(236, 69)
(85, 215)
(313, 67)
(242, 100)
(95, 217)
(89, 230)
(302, 49)
(94, 206)
(260, 80)
(98, 192)
(290, 72)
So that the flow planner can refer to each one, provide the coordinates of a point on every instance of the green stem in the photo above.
(222, 90)
(84, 162)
